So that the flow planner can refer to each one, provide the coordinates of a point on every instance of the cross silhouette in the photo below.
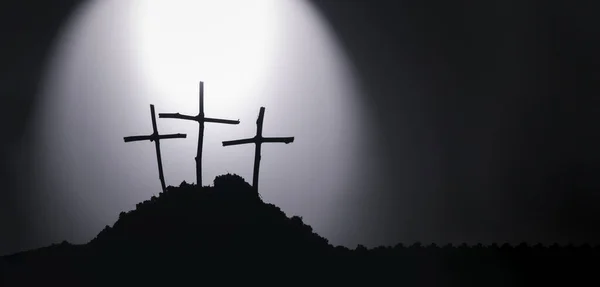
(258, 140)
(156, 138)
(201, 120)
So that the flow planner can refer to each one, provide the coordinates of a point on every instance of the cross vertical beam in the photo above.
(156, 137)
(258, 146)
(201, 119)
(200, 136)
(258, 140)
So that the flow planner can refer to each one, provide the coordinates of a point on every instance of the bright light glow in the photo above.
(118, 57)
(224, 43)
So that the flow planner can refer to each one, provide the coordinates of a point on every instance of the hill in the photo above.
(225, 232)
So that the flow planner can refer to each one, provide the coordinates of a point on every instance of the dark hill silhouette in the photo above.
(224, 233)
(230, 216)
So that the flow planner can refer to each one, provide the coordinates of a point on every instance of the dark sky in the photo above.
(498, 98)
(486, 114)
(27, 29)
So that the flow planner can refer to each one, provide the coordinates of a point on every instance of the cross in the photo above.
(201, 120)
(156, 138)
(258, 140)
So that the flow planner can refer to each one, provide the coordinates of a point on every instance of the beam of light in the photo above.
(118, 57)
(227, 44)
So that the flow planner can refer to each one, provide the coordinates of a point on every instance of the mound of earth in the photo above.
(226, 234)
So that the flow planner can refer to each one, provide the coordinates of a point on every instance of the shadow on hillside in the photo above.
(226, 232)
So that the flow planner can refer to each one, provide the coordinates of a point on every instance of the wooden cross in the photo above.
(156, 138)
(201, 120)
(258, 139)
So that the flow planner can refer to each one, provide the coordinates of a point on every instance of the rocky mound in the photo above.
(227, 219)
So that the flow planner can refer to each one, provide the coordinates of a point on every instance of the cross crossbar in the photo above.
(238, 142)
(286, 140)
(137, 138)
(153, 137)
(177, 116)
(220, 121)
(172, 136)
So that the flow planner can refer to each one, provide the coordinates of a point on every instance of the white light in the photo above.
(223, 43)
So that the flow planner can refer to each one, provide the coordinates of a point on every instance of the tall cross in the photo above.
(201, 120)
(258, 140)
(155, 137)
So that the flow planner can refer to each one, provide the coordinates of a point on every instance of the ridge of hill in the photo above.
(226, 232)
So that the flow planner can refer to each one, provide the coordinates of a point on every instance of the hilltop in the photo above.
(191, 234)
(227, 219)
